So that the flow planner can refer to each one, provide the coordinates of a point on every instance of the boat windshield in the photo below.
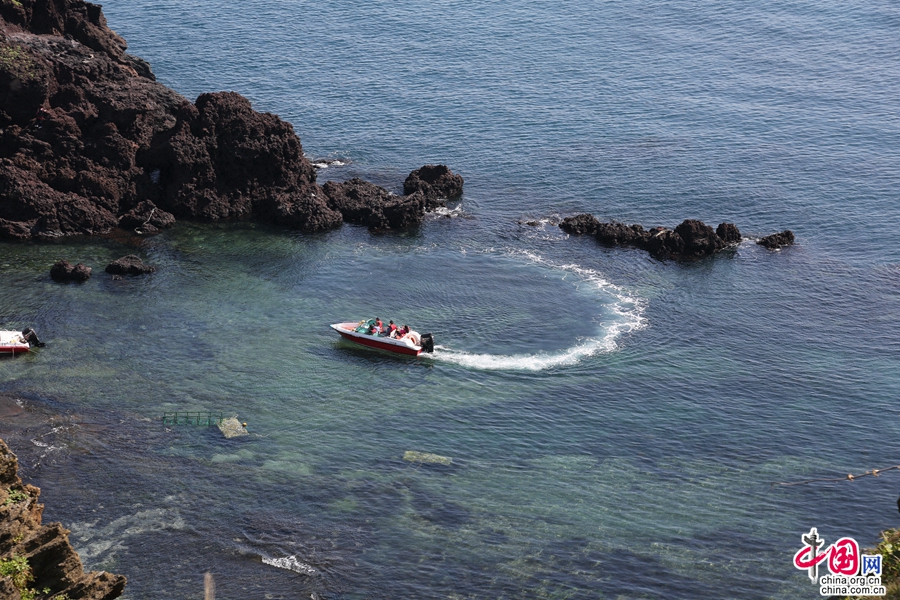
(363, 326)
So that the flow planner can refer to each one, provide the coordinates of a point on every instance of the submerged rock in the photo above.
(777, 240)
(53, 562)
(426, 457)
(129, 265)
(62, 270)
(232, 428)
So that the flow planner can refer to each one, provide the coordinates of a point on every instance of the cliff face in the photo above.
(87, 136)
(53, 562)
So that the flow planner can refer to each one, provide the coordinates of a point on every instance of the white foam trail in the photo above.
(629, 317)
(291, 563)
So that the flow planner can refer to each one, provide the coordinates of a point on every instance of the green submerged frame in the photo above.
(197, 418)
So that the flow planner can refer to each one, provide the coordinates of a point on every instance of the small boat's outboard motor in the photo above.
(427, 342)
(32, 338)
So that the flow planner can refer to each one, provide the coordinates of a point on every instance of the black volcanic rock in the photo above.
(89, 140)
(699, 238)
(664, 243)
(310, 213)
(73, 19)
(146, 217)
(777, 240)
(404, 211)
(437, 183)
(34, 209)
(583, 224)
(129, 265)
(729, 233)
(223, 160)
(619, 234)
(64, 271)
(367, 204)
(689, 240)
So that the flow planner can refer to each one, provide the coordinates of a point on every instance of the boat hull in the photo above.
(9, 350)
(348, 332)
(12, 342)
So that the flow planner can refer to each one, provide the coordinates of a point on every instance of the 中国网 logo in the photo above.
(851, 574)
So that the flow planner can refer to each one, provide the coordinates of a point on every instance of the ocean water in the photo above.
(615, 422)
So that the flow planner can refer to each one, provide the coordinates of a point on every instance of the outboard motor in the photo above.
(32, 338)
(427, 342)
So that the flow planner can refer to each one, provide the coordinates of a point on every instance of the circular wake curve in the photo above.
(628, 316)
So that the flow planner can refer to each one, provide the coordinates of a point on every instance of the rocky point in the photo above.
(89, 141)
(45, 560)
(691, 239)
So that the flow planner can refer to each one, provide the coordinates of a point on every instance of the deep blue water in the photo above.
(615, 422)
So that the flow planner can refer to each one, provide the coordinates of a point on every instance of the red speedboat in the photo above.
(412, 344)
(13, 342)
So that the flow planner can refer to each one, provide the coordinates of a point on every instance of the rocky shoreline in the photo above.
(89, 141)
(40, 557)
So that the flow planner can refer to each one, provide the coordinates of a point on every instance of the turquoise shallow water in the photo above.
(615, 422)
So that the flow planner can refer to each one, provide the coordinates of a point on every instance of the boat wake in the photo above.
(625, 314)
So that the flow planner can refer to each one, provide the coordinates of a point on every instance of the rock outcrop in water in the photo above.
(728, 233)
(690, 239)
(90, 141)
(48, 555)
(63, 270)
(777, 240)
(129, 265)
(436, 183)
(583, 224)
(365, 203)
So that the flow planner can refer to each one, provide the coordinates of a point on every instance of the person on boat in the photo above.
(404, 331)
(379, 326)
(372, 330)
(392, 330)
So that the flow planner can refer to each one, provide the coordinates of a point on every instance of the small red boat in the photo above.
(13, 342)
(412, 344)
